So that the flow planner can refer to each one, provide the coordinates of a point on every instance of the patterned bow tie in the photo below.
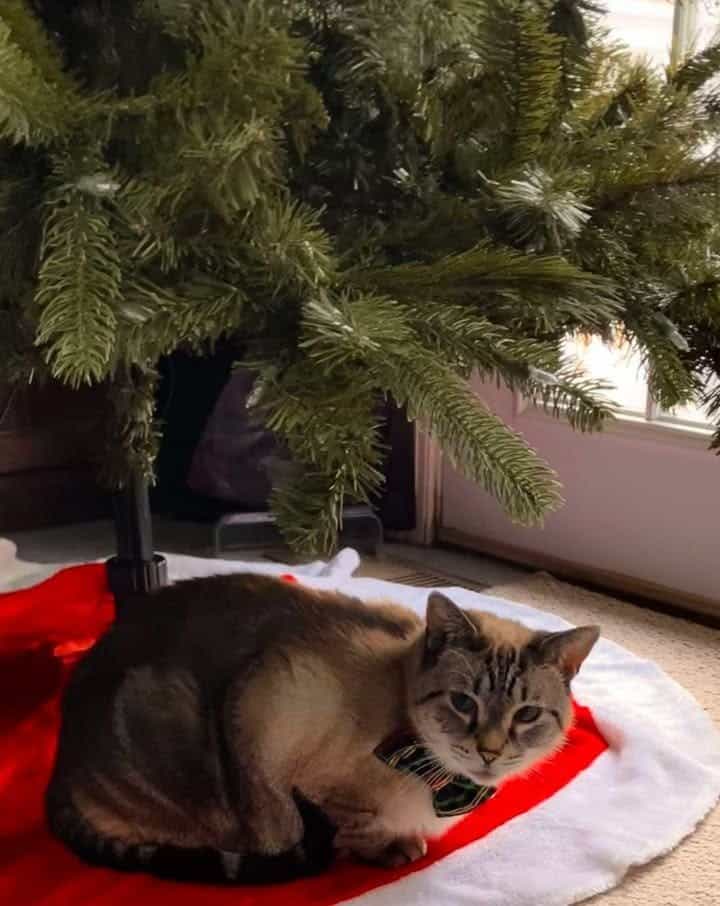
(452, 794)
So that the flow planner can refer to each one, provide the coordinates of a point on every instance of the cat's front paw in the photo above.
(319, 831)
(403, 851)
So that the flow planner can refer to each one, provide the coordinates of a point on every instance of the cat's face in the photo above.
(491, 697)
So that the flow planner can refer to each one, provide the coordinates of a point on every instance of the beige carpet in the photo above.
(690, 875)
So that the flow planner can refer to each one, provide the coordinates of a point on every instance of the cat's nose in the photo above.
(488, 757)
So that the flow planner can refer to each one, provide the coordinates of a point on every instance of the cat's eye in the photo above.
(462, 703)
(527, 714)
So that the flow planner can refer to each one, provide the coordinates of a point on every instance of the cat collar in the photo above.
(452, 794)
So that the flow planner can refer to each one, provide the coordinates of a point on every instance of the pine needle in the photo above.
(78, 290)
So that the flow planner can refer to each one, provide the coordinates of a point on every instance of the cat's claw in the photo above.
(403, 851)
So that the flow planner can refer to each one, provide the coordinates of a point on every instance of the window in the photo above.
(656, 29)
(621, 365)
(644, 25)
(660, 28)
(616, 362)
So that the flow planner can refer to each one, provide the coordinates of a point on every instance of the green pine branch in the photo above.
(371, 33)
(236, 169)
(634, 89)
(537, 211)
(697, 70)
(39, 102)
(696, 303)
(289, 248)
(711, 399)
(569, 18)
(353, 330)
(460, 337)
(610, 81)
(491, 272)
(374, 332)
(476, 440)
(194, 312)
(29, 36)
(383, 199)
(78, 288)
(676, 172)
(133, 433)
(146, 213)
(538, 74)
(309, 510)
(467, 97)
(332, 431)
(247, 48)
(566, 394)
(31, 110)
(532, 367)
(670, 382)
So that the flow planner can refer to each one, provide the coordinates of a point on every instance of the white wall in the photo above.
(637, 504)
(644, 25)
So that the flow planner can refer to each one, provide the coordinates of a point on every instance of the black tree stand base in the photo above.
(361, 529)
(136, 568)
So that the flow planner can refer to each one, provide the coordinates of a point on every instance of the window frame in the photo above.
(631, 424)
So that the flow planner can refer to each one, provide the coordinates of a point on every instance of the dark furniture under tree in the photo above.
(50, 440)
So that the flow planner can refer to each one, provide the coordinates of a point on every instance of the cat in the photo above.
(241, 729)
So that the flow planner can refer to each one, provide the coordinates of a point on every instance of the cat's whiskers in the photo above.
(431, 767)
(431, 758)
(427, 767)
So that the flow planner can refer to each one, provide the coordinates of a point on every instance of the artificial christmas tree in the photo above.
(377, 197)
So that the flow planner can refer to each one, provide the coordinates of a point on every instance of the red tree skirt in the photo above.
(42, 631)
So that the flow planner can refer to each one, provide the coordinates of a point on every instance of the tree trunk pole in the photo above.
(135, 569)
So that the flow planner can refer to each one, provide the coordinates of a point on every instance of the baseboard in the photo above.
(660, 597)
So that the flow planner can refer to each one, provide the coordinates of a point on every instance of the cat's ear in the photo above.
(447, 624)
(566, 650)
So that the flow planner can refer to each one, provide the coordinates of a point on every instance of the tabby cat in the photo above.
(244, 729)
